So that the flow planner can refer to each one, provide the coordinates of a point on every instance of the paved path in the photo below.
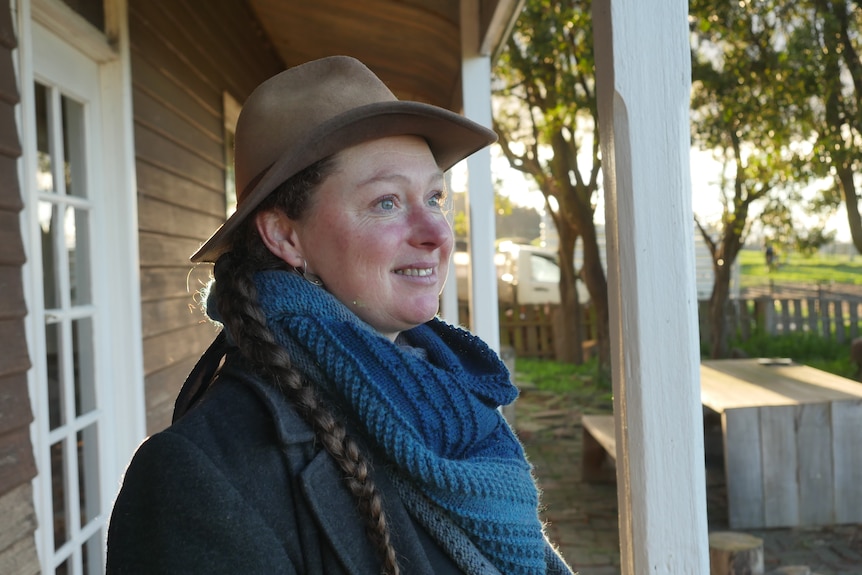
(582, 517)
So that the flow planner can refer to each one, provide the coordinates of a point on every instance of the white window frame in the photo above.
(117, 240)
(231, 112)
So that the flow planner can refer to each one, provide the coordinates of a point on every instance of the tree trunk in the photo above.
(571, 348)
(593, 275)
(717, 306)
(851, 201)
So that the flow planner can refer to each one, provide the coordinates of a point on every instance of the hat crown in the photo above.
(283, 112)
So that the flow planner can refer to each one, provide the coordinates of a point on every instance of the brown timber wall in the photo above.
(17, 467)
(184, 57)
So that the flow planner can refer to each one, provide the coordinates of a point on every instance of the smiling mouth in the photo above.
(423, 272)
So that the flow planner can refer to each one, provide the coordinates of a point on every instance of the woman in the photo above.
(335, 425)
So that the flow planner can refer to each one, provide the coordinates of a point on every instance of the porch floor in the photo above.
(582, 517)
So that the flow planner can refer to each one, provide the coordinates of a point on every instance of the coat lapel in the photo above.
(328, 499)
(332, 504)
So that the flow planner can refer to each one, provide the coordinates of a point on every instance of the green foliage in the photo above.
(786, 77)
(748, 105)
(806, 348)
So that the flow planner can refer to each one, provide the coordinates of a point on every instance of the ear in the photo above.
(278, 233)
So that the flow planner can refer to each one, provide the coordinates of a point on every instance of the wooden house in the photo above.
(116, 121)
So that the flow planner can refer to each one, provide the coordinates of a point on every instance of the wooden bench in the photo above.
(792, 442)
(599, 448)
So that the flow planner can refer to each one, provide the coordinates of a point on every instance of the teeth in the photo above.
(415, 272)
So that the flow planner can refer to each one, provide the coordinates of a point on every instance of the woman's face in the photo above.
(376, 235)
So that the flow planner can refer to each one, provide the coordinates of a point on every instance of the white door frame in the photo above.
(116, 288)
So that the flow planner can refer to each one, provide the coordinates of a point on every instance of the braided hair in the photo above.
(238, 306)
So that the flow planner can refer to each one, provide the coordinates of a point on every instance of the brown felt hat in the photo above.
(314, 110)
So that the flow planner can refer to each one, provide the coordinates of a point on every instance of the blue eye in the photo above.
(437, 200)
(387, 203)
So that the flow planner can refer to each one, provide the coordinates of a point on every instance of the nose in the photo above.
(430, 229)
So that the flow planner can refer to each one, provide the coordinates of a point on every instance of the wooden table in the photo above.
(792, 442)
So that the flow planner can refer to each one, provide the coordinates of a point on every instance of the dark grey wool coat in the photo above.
(237, 485)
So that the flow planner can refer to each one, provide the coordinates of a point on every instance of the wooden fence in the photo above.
(529, 329)
(828, 316)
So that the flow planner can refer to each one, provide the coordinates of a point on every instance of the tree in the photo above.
(749, 109)
(824, 45)
(547, 119)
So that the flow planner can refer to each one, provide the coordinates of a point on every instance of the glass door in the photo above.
(70, 420)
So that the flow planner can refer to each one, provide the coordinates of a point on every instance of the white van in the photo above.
(530, 275)
(525, 274)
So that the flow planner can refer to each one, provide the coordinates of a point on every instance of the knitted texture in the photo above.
(436, 419)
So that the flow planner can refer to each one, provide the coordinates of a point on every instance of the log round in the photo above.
(732, 553)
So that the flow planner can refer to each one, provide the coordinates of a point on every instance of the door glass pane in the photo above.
(50, 265)
(88, 473)
(91, 553)
(77, 241)
(58, 494)
(73, 147)
(53, 346)
(44, 167)
(83, 368)
(230, 174)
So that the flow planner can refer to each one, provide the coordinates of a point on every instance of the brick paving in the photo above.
(582, 517)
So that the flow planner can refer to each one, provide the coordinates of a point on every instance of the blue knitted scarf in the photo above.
(436, 417)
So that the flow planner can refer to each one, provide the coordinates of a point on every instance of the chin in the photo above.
(418, 319)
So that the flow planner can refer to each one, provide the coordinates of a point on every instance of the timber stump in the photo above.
(732, 553)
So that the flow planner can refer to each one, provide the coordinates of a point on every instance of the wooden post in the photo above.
(476, 92)
(732, 553)
(643, 85)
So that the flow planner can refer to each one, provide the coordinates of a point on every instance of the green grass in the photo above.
(796, 268)
(810, 349)
(593, 393)
(807, 348)
(583, 380)
(549, 375)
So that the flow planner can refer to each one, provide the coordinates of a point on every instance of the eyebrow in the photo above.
(388, 176)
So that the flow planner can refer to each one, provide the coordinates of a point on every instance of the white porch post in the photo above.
(476, 80)
(643, 75)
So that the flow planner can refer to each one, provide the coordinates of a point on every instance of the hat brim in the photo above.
(450, 136)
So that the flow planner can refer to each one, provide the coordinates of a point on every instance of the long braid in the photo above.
(237, 300)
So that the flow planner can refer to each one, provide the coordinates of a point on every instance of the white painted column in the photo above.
(449, 296)
(644, 81)
(476, 80)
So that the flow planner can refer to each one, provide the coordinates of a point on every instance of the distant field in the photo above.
(797, 269)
